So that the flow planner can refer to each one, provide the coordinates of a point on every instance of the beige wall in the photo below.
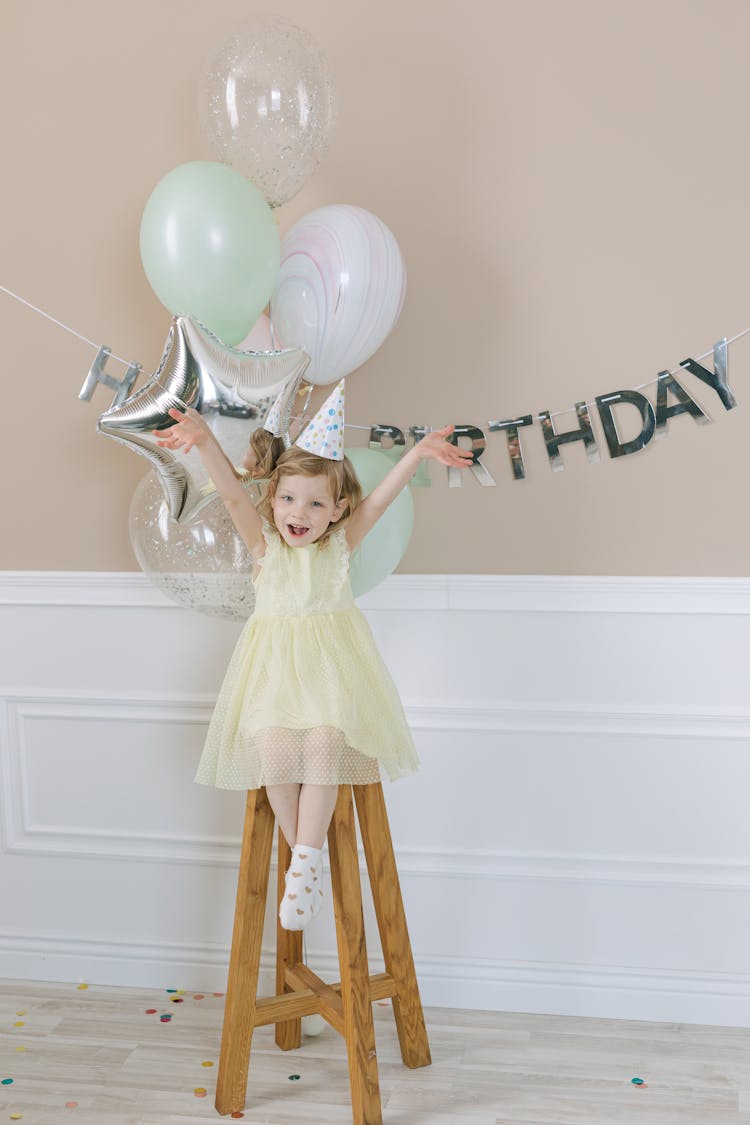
(569, 183)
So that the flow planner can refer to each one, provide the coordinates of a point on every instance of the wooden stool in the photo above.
(346, 1005)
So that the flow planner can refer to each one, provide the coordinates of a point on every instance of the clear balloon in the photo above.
(210, 247)
(267, 105)
(340, 289)
(201, 563)
(382, 549)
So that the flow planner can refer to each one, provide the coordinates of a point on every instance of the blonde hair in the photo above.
(267, 450)
(340, 477)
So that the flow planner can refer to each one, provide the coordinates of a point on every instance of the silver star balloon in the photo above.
(232, 390)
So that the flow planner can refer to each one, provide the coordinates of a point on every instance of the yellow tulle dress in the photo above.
(306, 697)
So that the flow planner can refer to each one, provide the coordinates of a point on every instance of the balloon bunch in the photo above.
(211, 250)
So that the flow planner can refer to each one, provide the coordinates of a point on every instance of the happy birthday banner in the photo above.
(672, 399)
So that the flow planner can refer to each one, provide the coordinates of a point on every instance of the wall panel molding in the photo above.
(620, 702)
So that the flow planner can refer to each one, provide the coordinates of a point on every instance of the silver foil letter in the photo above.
(396, 436)
(478, 446)
(583, 432)
(666, 385)
(515, 452)
(97, 374)
(716, 379)
(605, 404)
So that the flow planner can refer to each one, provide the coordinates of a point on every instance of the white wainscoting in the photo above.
(577, 841)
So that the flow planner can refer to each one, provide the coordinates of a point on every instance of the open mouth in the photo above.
(296, 530)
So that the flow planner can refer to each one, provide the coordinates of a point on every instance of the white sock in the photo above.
(303, 894)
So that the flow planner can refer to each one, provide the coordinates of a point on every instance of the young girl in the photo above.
(307, 703)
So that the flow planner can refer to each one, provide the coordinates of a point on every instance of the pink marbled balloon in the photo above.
(340, 289)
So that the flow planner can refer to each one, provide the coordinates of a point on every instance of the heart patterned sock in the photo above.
(303, 894)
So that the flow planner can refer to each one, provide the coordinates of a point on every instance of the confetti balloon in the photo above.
(267, 105)
(340, 289)
(200, 563)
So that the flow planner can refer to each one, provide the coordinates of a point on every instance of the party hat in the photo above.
(273, 419)
(325, 434)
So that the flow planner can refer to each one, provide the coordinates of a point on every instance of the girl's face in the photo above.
(303, 507)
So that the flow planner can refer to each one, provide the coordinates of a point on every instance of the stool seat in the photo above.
(347, 1004)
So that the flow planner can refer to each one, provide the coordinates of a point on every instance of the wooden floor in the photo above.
(94, 1056)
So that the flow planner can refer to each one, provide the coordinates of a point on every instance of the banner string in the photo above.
(348, 425)
(60, 324)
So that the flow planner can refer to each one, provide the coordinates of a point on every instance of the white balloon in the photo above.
(340, 289)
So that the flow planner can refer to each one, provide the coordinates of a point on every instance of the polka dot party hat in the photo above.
(325, 434)
(273, 419)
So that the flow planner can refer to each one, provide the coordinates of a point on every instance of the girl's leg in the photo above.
(284, 800)
(316, 805)
(304, 879)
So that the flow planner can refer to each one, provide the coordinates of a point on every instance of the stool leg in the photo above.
(244, 961)
(288, 952)
(394, 935)
(359, 1030)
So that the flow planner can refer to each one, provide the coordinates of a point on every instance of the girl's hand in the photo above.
(189, 431)
(437, 446)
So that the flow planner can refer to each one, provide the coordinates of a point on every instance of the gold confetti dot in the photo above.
(19, 1023)
(16, 1116)
(207, 1063)
(20, 1048)
(81, 987)
(22, 1012)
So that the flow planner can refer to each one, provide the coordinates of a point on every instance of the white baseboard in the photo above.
(606, 992)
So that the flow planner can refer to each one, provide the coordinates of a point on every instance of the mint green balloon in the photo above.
(382, 549)
(210, 247)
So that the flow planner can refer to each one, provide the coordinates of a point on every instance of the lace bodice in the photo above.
(298, 581)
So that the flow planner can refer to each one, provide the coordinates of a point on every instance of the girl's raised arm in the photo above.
(190, 431)
(434, 445)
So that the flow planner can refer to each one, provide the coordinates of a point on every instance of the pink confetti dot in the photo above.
(71, 1105)
(198, 996)
(150, 1011)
